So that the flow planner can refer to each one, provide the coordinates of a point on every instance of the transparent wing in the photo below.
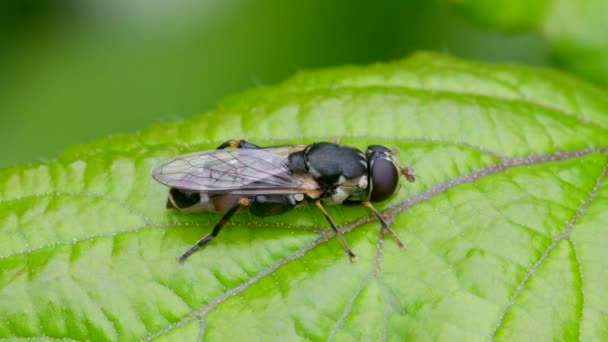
(236, 171)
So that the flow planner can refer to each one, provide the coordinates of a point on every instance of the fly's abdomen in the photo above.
(268, 205)
(196, 201)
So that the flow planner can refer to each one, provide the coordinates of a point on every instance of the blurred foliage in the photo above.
(576, 31)
(71, 71)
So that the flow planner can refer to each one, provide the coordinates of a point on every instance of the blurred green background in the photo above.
(72, 71)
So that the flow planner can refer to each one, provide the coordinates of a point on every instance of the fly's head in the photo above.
(384, 172)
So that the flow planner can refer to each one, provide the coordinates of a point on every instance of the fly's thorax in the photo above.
(354, 189)
(341, 171)
(327, 162)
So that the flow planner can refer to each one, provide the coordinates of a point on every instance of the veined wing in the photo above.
(236, 171)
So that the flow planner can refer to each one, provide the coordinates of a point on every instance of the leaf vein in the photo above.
(564, 234)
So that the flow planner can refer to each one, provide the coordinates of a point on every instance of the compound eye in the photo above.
(384, 179)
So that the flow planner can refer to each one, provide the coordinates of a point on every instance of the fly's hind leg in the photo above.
(243, 202)
(237, 144)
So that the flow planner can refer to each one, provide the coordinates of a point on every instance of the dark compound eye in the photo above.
(384, 179)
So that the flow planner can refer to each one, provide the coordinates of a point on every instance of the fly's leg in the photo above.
(237, 144)
(384, 223)
(350, 253)
(216, 230)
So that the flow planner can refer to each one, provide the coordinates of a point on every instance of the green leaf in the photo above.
(575, 30)
(505, 226)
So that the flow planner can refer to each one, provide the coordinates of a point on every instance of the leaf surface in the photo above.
(506, 225)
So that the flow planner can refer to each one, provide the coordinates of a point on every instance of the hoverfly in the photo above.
(276, 179)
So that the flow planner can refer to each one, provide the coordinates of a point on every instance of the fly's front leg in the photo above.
(242, 202)
(237, 144)
(384, 223)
